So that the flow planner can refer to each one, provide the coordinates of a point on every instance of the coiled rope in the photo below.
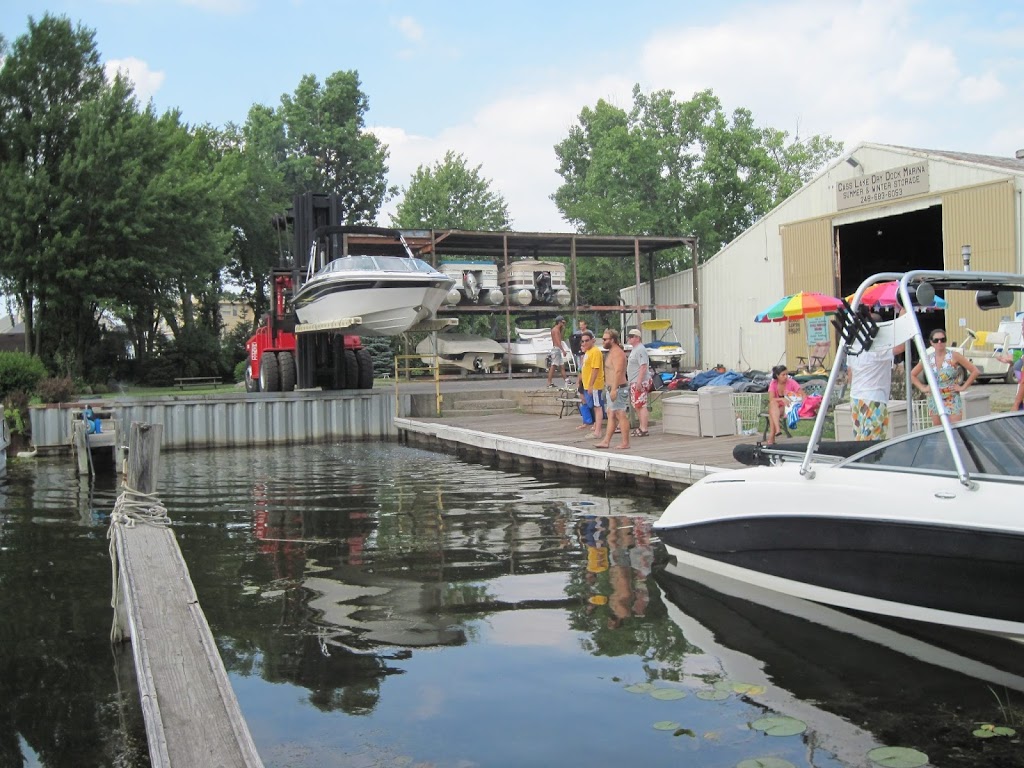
(131, 508)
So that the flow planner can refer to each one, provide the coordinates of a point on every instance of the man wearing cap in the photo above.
(638, 370)
(556, 350)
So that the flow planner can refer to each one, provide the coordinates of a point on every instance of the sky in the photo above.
(503, 83)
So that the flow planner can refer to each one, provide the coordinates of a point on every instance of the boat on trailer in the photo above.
(666, 351)
(924, 526)
(368, 295)
(468, 351)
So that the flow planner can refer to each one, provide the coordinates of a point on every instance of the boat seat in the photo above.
(816, 387)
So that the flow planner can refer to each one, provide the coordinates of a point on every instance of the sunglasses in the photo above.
(939, 340)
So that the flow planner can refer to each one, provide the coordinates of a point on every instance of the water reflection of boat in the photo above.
(855, 682)
(923, 526)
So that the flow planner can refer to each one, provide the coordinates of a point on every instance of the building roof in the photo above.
(532, 245)
(1012, 164)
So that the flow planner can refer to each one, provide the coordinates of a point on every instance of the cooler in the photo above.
(717, 418)
(682, 414)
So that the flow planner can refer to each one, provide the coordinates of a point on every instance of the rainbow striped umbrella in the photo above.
(799, 306)
(884, 295)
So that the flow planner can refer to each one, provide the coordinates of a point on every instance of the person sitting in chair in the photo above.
(781, 389)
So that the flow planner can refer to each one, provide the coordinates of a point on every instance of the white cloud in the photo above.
(229, 7)
(863, 71)
(979, 90)
(146, 81)
(409, 27)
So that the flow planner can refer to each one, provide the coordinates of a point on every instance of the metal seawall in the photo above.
(236, 420)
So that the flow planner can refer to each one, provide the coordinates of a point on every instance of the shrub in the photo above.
(19, 371)
(16, 411)
(240, 370)
(57, 389)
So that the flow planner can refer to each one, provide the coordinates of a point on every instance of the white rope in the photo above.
(131, 508)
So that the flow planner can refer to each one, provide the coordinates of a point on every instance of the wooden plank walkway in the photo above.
(542, 439)
(191, 713)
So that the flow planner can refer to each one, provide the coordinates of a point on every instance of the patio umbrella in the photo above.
(884, 295)
(799, 306)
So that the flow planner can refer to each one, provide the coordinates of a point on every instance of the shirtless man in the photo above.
(556, 350)
(618, 391)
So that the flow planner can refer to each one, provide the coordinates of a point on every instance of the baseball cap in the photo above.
(559, 319)
(634, 332)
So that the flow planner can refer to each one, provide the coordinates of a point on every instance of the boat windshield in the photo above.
(378, 264)
(989, 447)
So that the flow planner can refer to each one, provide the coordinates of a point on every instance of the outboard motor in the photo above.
(542, 287)
(472, 285)
(478, 364)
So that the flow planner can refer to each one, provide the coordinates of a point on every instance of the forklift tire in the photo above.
(351, 369)
(337, 362)
(286, 367)
(365, 361)
(270, 374)
(251, 384)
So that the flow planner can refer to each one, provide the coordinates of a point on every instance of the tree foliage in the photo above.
(674, 168)
(451, 195)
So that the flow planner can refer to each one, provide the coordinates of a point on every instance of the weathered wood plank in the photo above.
(191, 713)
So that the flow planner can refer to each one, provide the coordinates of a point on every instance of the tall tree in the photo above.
(328, 147)
(50, 72)
(451, 195)
(679, 168)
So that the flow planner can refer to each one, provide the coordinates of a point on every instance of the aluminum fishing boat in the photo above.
(924, 526)
(368, 295)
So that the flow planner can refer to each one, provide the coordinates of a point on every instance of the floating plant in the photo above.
(779, 726)
(897, 757)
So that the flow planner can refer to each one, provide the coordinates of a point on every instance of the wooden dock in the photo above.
(545, 443)
(191, 713)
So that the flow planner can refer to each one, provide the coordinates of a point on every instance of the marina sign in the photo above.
(883, 186)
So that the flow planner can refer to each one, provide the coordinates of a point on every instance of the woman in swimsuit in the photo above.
(944, 363)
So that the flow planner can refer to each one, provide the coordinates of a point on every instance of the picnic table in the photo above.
(197, 381)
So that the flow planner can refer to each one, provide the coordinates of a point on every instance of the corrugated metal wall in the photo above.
(807, 265)
(982, 217)
(675, 289)
(250, 420)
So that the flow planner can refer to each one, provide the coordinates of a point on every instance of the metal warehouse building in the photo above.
(877, 208)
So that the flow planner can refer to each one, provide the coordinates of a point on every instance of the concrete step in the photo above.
(479, 407)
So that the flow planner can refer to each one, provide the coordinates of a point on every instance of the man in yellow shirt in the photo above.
(593, 378)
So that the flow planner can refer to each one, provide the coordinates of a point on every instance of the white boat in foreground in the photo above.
(924, 526)
(368, 295)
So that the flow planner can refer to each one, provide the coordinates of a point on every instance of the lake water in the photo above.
(377, 605)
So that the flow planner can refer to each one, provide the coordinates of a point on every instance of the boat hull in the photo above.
(930, 561)
(384, 307)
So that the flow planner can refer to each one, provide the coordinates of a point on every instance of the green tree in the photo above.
(676, 168)
(49, 73)
(451, 195)
(328, 148)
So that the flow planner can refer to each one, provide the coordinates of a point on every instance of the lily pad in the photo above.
(713, 695)
(666, 725)
(668, 694)
(748, 688)
(765, 762)
(1002, 730)
(779, 726)
(897, 757)
(640, 688)
(685, 732)
(982, 733)
(988, 730)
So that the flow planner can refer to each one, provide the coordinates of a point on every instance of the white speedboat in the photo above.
(368, 295)
(923, 526)
(468, 351)
(666, 351)
(532, 349)
(536, 282)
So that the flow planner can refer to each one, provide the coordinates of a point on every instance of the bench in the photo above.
(816, 387)
(197, 381)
